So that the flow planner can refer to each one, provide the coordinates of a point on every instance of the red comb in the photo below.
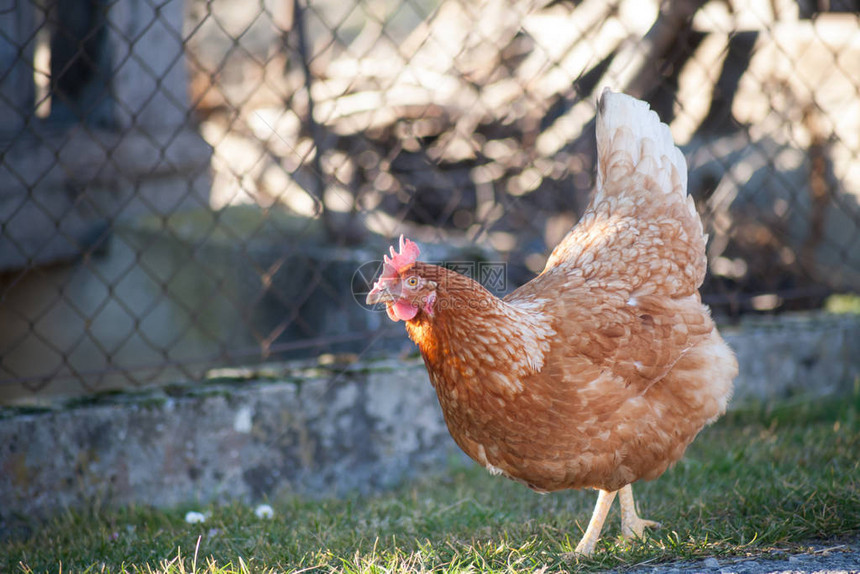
(408, 255)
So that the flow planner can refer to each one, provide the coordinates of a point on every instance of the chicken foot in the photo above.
(631, 525)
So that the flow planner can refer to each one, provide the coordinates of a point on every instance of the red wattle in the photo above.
(403, 310)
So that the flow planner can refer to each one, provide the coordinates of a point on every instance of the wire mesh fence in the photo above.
(188, 186)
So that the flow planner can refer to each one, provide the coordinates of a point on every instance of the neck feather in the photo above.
(475, 336)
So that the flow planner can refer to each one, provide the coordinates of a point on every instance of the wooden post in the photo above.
(17, 45)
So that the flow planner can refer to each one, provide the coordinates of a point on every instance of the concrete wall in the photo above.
(121, 144)
(316, 430)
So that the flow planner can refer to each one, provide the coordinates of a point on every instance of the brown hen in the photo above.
(602, 369)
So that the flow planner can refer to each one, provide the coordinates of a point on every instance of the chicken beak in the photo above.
(383, 292)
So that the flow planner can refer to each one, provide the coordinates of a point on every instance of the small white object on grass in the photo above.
(194, 517)
(264, 511)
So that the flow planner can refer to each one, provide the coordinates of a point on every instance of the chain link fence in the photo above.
(186, 187)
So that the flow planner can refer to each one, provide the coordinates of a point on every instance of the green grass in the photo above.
(757, 480)
(843, 304)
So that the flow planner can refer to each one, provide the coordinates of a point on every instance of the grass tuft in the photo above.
(762, 479)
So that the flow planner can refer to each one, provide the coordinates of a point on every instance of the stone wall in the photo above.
(316, 430)
(243, 435)
(795, 355)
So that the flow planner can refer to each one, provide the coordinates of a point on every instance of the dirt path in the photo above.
(840, 559)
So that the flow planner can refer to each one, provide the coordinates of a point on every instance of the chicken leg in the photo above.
(592, 533)
(631, 525)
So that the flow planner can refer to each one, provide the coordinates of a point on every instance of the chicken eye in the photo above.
(412, 281)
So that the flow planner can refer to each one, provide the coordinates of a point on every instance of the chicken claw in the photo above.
(631, 525)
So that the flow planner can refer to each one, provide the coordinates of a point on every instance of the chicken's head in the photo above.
(400, 287)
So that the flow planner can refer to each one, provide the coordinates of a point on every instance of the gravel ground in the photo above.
(841, 559)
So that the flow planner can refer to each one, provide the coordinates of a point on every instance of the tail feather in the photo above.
(629, 131)
(641, 227)
(628, 125)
